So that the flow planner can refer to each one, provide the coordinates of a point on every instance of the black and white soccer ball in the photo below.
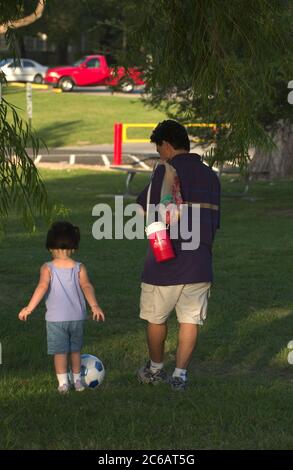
(92, 371)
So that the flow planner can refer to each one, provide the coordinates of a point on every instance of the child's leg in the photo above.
(58, 345)
(76, 340)
(75, 365)
(75, 362)
(60, 362)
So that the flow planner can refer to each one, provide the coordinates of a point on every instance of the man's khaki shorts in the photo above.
(189, 300)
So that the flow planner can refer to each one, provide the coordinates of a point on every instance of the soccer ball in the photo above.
(290, 355)
(92, 371)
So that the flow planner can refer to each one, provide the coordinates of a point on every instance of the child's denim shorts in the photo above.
(64, 336)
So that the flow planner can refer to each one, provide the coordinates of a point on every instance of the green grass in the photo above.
(64, 119)
(240, 392)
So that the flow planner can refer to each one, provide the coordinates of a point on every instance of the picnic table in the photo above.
(132, 169)
(247, 177)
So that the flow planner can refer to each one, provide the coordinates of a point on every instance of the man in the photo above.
(184, 282)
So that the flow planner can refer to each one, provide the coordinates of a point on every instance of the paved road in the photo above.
(88, 90)
(105, 91)
(98, 154)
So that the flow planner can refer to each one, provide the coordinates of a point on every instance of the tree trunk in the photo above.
(26, 20)
(277, 163)
(62, 52)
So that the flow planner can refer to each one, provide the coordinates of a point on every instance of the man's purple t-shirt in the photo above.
(199, 184)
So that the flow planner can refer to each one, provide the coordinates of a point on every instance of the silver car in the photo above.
(24, 70)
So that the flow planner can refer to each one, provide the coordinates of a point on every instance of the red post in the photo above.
(117, 160)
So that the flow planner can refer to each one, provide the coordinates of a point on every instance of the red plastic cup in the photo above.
(160, 241)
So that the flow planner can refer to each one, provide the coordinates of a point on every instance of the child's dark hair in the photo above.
(63, 236)
(172, 132)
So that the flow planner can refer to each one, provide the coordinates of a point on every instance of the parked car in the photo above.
(93, 70)
(24, 70)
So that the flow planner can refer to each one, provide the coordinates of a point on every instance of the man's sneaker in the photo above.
(78, 386)
(63, 389)
(178, 384)
(146, 376)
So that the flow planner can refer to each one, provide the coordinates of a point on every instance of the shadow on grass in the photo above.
(54, 134)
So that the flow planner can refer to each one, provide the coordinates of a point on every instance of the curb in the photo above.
(36, 86)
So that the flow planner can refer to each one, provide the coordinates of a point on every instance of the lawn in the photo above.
(65, 119)
(240, 388)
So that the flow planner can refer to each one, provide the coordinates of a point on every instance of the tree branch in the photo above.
(26, 20)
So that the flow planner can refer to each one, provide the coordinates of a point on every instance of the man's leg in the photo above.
(156, 336)
(187, 337)
(153, 371)
(191, 311)
(156, 303)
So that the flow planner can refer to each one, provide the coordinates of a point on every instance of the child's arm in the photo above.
(89, 294)
(39, 293)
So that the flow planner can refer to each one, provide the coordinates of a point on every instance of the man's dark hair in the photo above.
(63, 236)
(172, 132)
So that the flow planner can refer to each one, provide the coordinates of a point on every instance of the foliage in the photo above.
(11, 10)
(21, 186)
(219, 61)
(88, 26)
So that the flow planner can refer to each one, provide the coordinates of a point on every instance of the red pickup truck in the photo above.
(93, 70)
